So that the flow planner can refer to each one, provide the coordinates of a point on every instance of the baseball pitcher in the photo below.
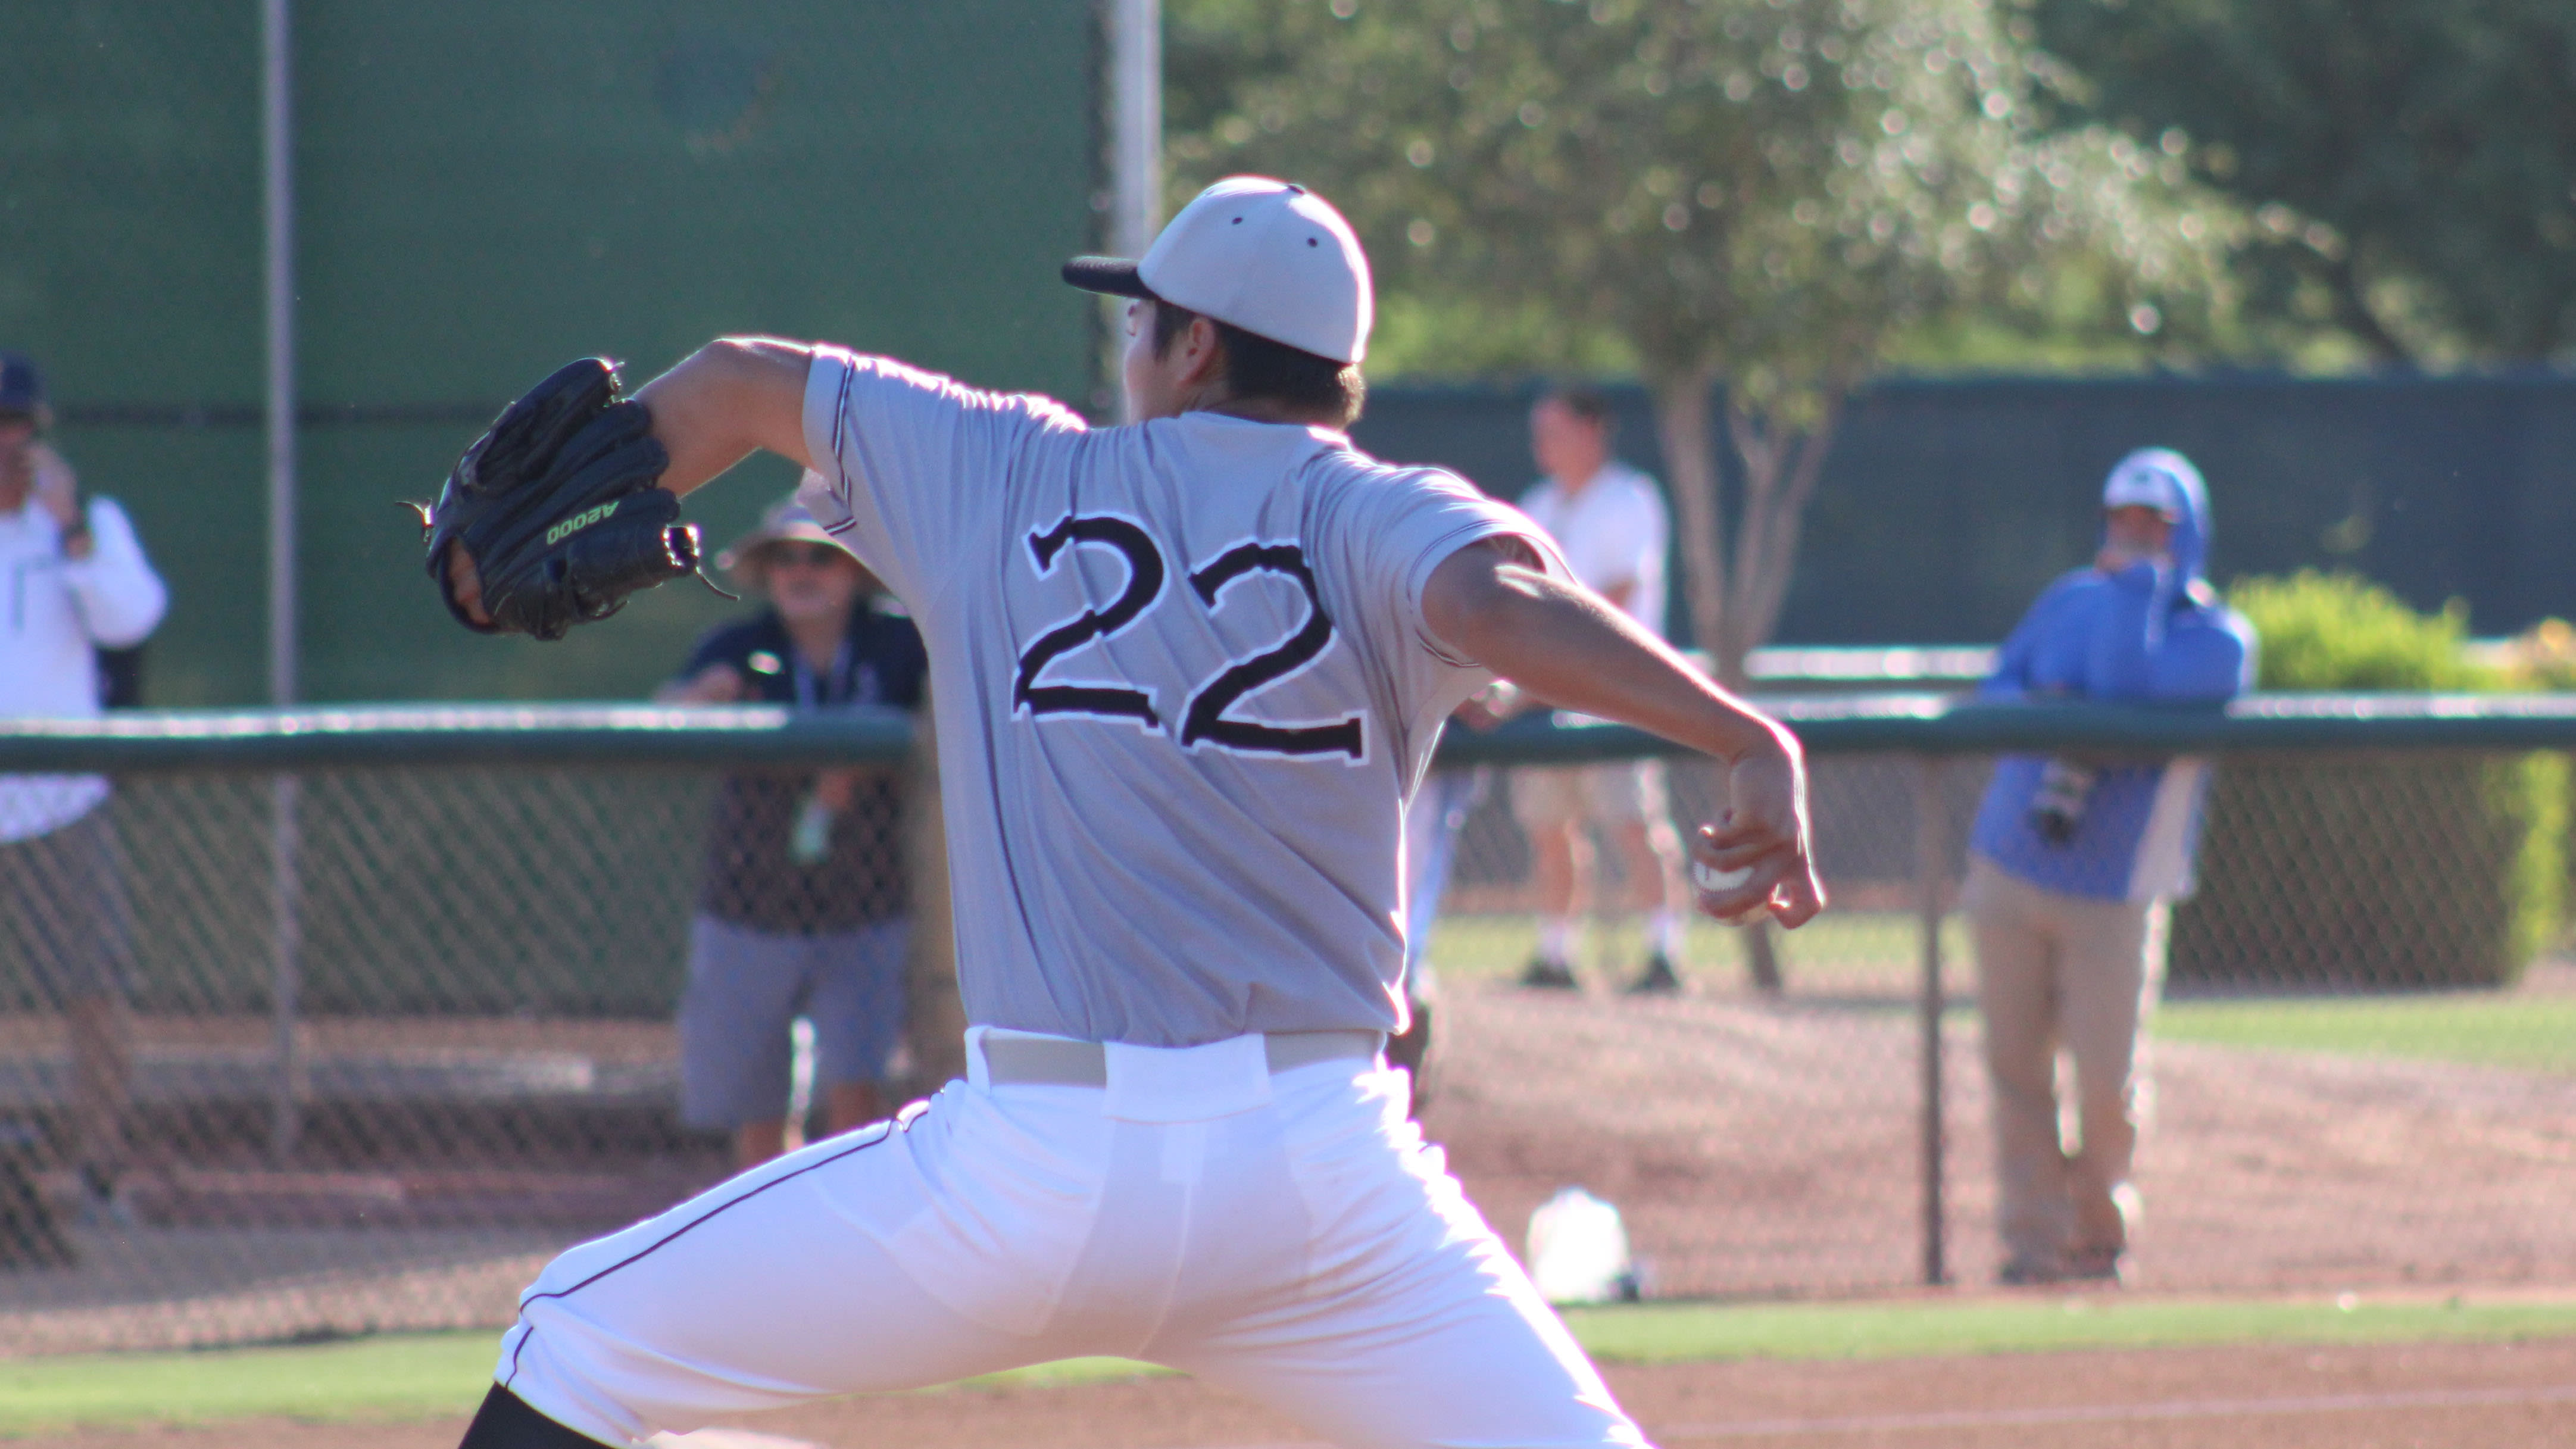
(1187, 673)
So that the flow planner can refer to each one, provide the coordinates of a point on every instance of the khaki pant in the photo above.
(2056, 970)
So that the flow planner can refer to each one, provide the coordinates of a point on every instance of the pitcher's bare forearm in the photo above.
(1567, 646)
(724, 401)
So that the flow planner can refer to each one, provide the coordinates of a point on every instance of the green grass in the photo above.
(409, 1376)
(1837, 949)
(2528, 1033)
(395, 1377)
(1874, 954)
(429, 1375)
(1685, 1332)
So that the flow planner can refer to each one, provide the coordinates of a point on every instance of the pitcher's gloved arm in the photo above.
(721, 403)
(725, 400)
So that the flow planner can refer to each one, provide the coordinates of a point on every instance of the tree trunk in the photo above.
(1781, 467)
(1690, 466)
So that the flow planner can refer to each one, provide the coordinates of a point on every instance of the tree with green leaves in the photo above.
(1752, 199)
(2408, 164)
(1748, 198)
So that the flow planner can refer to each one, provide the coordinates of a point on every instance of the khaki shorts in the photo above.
(64, 914)
(746, 989)
(1623, 792)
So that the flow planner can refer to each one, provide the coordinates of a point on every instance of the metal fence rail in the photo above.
(400, 1027)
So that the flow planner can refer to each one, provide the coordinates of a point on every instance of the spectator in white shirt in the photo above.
(1610, 521)
(73, 579)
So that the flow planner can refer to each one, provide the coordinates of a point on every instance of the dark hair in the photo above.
(1256, 367)
(1586, 403)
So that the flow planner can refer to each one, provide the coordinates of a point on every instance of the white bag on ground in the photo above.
(1578, 1250)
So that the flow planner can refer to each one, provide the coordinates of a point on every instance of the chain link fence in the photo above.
(398, 1020)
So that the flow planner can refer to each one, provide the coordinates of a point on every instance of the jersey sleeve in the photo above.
(121, 598)
(1421, 519)
(906, 461)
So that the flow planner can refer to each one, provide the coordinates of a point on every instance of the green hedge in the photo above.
(2377, 872)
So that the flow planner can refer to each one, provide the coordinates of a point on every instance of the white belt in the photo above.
(1054, 1062)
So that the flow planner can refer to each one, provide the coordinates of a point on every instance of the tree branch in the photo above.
(1765, 448)
(2353, 312)
(1767, 586)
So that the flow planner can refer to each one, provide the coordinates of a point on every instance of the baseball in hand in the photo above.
(1709, 879)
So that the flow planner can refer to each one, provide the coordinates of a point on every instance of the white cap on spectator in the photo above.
(2143, 481)
(1269, 257)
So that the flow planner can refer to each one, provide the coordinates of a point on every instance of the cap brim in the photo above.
(2156, 506)
(746, 550)
(1115, 276)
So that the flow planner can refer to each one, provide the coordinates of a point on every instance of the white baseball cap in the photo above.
(1267, 256)
(2145, 479)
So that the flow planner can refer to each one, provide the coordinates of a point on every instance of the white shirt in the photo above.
(1613, 531)
(1183, 689)
(54, 612)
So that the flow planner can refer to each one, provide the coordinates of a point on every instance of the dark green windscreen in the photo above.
(486, 189)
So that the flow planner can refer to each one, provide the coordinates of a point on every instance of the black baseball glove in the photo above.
(557, 508)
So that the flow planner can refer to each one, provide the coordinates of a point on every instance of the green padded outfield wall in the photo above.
(486, 188)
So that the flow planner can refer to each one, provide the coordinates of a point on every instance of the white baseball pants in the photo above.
(1287, 1235)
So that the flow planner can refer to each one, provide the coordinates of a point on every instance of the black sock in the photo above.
(506, 1422)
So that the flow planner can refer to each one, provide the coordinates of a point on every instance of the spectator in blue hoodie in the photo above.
(2074, 863)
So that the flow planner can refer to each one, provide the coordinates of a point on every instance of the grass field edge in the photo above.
(399, 1377)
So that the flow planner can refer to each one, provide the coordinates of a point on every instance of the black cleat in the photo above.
(1546, 975)
(2105, 1266)
(1658, 979)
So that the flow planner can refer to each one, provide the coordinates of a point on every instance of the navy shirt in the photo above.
(752, 877)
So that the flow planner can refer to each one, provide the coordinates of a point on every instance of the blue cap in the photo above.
(22, 387)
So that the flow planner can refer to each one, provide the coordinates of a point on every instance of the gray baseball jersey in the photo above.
(1183, 690)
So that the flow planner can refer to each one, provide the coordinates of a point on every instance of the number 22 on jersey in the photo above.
(1208, 718)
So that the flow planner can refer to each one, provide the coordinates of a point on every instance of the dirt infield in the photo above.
(1757, 1147)
(1762, 1147)
(2495, 1396)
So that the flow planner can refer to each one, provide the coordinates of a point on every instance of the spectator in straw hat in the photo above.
(79, 582)
(802, 911)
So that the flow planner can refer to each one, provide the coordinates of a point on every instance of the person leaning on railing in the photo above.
(2074, 863)
(77, 579)
(802, 911)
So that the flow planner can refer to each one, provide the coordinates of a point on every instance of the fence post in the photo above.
(277, 166)
(1931, 856)
(936, 1023)
(286, 975)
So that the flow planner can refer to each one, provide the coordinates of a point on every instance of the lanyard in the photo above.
(813, 694)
